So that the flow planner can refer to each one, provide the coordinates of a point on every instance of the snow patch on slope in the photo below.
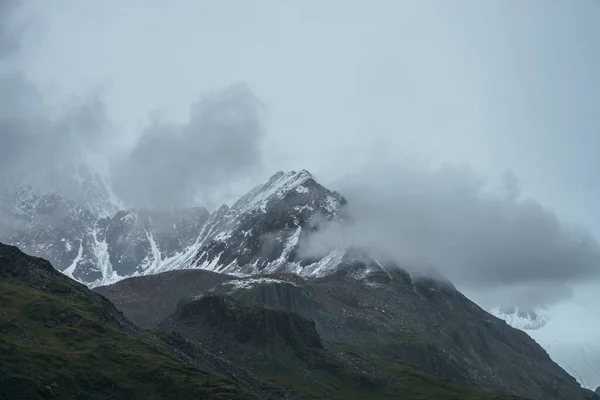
(522, 319)
(248, 283)
(71, 268)
(100, 251)
(280, 184)
(152, 260)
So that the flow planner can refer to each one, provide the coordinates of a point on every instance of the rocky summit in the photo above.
(235, 293)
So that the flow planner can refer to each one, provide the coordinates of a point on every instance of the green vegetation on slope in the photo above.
(387, 380)
(65, 342)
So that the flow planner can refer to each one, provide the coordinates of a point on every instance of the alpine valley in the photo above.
(184, 303)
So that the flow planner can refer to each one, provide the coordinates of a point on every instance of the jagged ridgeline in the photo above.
(261, 231)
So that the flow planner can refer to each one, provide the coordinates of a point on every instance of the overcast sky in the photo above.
(428, 98)
(495, 84)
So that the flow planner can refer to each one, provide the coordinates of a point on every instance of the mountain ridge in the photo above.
(265, 232)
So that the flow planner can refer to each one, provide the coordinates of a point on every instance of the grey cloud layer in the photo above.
(8, 39)
(179, 163)
(170, 165)
(490, 242)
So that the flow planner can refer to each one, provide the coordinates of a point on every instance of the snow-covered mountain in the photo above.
(263, 232)
(520, 319)
(94, 250)
(563, 335)
(266, 231)
(47, 225)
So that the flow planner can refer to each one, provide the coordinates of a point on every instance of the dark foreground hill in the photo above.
(59, 340)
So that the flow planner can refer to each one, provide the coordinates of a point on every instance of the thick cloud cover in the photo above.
(485, 238)
(169, 165)
(39, 145)
(179, 164)
(8, 37)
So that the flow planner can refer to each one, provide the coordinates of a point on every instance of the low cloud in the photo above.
(40, 147)
(179, 164)
(502, 249)
(170, 165)
(42, 150)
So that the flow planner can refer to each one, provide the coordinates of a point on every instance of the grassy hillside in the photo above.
(60, 340)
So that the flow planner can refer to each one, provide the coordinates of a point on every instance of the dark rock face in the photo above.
(258, 325)
(140, 240)
(276, 290)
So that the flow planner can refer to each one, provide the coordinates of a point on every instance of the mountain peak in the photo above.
(277, 187)
(291, 175)
(264, 229)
